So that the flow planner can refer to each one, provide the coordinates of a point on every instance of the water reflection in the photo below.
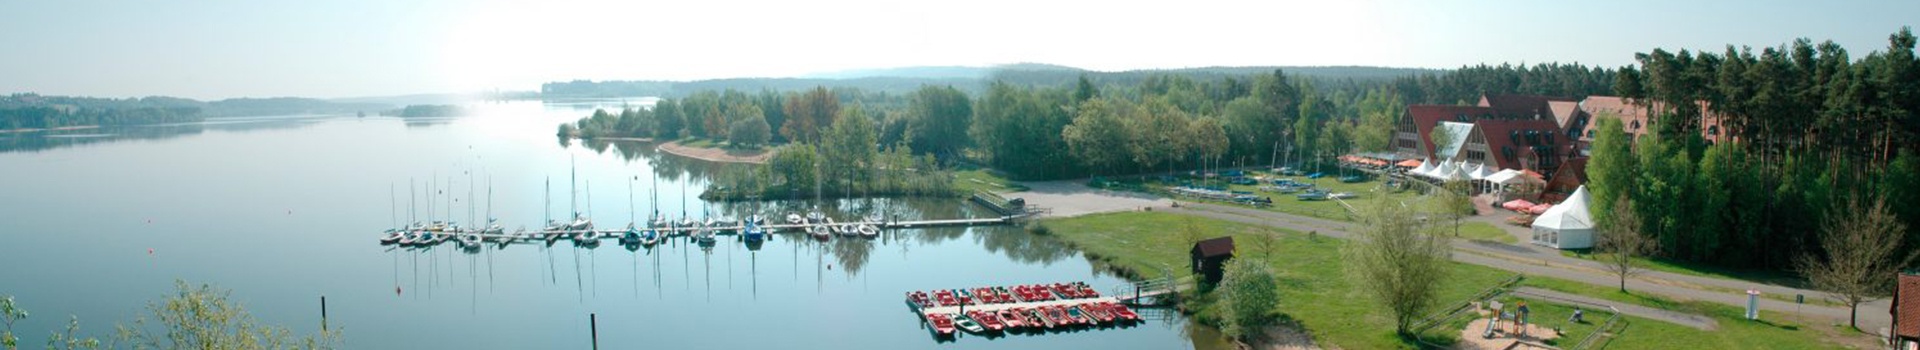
(54, 139)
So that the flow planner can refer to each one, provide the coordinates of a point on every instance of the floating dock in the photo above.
(496, 236)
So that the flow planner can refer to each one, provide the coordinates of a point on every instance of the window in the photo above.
(1589, 133)
(1476, 155)
(1636, 125)
(1713, 130)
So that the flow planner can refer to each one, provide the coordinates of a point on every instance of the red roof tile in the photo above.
(1906, 307)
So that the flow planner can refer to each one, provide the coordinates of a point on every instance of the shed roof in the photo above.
(1214, 247)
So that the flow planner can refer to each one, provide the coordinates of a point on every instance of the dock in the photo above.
(519, 236)
(1020, 304)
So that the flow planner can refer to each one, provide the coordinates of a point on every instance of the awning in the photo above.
(1410, 163)
(1517, 205)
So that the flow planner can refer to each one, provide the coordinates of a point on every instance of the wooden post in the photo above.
(593, 326)
(323, 313)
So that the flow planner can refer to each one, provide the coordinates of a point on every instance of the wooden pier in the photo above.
(676, 230)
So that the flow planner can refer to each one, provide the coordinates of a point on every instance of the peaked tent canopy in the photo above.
(1568, 225)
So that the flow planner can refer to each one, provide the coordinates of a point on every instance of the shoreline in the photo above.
(715, 154)
(63, 128)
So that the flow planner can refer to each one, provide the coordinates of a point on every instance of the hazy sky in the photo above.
(342, 48)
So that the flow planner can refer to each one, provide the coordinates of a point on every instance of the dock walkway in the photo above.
(1023, 304)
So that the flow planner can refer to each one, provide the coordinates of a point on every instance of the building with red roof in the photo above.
(1906, 312)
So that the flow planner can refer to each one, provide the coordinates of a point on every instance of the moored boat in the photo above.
(1010, 318)
(968, 324)
(1097, 311)
(1079, 316)
(942, 325)
(1122, 312)
(987, 319)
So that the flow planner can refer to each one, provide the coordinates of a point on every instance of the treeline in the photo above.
(26, 110)
(55, 117)
(1135, 123)
(1811, 130)
(1465, 85)
(427, 111)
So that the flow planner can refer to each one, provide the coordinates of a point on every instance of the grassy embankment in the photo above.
(1316, 293)
(1369, 191)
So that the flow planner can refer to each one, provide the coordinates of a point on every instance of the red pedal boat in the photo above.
(1098, 311)
(945, 298)
(919, 298)
(941, 324)
(1010, 318)
(987, 319)
(1122, 311)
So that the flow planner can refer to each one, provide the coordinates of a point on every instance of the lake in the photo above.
(285, 210)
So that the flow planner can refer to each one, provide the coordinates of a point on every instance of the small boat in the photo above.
(869, 230)
(393, 237)
(945, 298)
(942, 325)
(631, 236)
(657, 220)
(470, 241)
(1060, 318)
(1012, 319)
(968, 324)
(753, 232)
(409, 238)
(1097, 311)
(919, 299)
(966, 297)
(1122, 311)
(1078, 315)
(1033, 318)
(987, 319)
(580, 222)
(795, 219)
(816, 216)
(1085, 290)
(819, 231)
(649, 237)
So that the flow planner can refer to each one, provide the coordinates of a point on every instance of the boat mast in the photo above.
(631, 217)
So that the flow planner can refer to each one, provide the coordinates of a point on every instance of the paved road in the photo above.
(1534, 260)
(1681, 318)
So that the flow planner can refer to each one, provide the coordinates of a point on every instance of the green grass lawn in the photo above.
(1773, 331)
(971, 180)
(1316, 292)
(1481, 231)
(1369, 192)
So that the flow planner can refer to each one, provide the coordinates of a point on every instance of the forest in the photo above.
(1812, 130)
(34, 111)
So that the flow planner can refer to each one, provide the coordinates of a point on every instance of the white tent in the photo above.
(1459, 173)
(1568, 225)
(1481, 172)
(1425, 166)
(1440, 172)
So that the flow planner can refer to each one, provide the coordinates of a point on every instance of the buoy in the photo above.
(396, 290)
(149, 251)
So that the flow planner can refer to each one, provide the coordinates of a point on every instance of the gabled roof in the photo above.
(1215, 247)
(1522, 106)
(1426, 117)
(1906, 307)
(1564, 112)
(1501, 136)
(1460, 131)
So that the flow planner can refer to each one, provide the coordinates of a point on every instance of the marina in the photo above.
(581, 231)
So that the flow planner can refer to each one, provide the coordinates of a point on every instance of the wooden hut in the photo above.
(1209, 258)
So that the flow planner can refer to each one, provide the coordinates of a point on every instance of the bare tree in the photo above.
(1396, 264)
(1268, 241)
(1861, 242)
(1450, 202)
(1622, 242)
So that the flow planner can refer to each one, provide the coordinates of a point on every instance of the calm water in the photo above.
(284, 210)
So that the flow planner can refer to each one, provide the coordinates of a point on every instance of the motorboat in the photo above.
(795, 219)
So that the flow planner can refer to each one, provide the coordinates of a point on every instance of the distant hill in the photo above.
(970, 79)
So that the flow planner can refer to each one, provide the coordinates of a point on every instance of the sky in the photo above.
(211, 49)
